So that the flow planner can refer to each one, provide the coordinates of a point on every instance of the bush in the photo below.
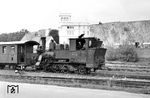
(127, 53)
(111, 54)
(123, 53)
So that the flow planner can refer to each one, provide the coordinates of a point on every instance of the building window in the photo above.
(70, 27)
(4, 49)
(87, 32)
(83, 27)
(70, 32)
(88, 27)
(12, 49)
(83, 32)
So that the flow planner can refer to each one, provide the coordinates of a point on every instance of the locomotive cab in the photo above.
(84, 43)
(91, 53)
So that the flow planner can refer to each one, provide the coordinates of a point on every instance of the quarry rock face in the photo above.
(116, 33)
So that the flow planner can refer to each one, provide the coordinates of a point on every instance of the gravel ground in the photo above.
(37, 80)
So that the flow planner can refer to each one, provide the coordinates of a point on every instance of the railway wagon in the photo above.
(16, 52)
(83, 56)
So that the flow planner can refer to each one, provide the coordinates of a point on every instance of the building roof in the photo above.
(84, 38)
(75, 24)
(19, 42)
(28, 36)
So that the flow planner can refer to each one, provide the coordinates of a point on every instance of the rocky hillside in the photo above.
(120, 32)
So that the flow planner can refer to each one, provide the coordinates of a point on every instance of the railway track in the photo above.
(122, 70)
(123, 74)
(131, 69)
(83, 81)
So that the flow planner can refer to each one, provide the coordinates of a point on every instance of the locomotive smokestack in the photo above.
(43, 42)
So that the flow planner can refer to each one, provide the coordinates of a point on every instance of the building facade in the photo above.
(69, 29)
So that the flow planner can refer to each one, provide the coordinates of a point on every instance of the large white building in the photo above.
(69, 29)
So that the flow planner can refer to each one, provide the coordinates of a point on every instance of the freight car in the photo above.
(16, 52)
(83, 56)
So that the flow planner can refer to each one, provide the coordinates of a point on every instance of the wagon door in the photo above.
(21, 53)
(12, 54)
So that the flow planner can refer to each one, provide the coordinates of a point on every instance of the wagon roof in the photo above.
(19, 42)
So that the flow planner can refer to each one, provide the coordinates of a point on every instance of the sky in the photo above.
(43, 14)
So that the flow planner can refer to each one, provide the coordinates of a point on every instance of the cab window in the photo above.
(3, 49)
(12, 49)
(80, 44)
(90, 43)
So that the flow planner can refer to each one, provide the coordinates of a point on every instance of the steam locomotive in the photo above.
(82, 56)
